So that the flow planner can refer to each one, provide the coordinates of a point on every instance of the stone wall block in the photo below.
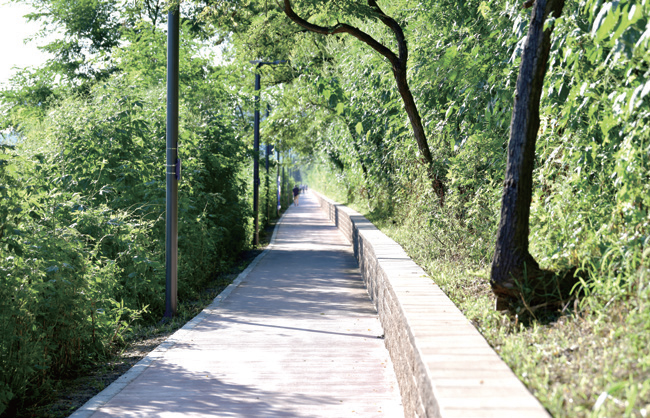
(444, 367)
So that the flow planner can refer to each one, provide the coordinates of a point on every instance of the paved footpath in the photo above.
(298, 337)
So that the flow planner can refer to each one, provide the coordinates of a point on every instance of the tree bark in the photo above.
(412, 112)
(512, 263)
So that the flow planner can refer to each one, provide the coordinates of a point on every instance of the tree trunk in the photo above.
(418, 130)
(412, 111)
(512, 262)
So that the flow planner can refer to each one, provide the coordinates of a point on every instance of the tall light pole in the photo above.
(279, 183)
(268, 151)
(256, 148)
(173, 166)
(283, 179)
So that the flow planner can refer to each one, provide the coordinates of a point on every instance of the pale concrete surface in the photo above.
(298, 337)
(444, 366)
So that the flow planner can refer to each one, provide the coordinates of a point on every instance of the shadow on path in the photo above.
(298, 337)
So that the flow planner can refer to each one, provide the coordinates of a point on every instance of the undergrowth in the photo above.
(589, 359)
(65, 394)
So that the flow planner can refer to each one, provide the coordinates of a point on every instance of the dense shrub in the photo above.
(590, 200)
(82, 223)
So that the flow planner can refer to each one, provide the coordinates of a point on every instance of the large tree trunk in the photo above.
(512, 262)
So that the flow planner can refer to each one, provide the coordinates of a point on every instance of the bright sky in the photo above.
(13, 30)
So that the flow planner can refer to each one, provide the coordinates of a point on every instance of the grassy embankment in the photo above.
(589, 359)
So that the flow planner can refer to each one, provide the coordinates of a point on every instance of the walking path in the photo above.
(297, 337)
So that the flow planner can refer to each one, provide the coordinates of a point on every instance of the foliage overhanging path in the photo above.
(399, 67)
(80, 214)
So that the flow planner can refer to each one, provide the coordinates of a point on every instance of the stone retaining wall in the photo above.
(444, 366)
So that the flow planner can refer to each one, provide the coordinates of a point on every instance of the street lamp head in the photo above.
(259, 63)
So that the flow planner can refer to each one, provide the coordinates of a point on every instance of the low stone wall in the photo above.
(444, 366)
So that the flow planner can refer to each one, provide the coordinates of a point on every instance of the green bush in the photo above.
(82, 226)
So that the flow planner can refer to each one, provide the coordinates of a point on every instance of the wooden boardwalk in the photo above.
(296, 337)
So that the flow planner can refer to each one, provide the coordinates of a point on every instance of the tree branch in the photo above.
(342, 28)
(395, 27)
(399, 72)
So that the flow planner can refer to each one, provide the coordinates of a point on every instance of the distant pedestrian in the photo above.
(296, 194)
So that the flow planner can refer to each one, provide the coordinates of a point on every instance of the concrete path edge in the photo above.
(96, 402)
(444, 366)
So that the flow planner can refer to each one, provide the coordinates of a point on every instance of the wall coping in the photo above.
(444, 366)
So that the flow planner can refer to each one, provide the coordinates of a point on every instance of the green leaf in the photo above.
(633, 100)
(646, 90)
(635, 14)
(605, 21)
(484, 9)
(359, 128)
(548, 24)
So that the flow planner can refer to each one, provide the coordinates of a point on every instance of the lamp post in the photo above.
(256, 147)
(173, 169)
(279, 205)
(283, 179)
(268, 151)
